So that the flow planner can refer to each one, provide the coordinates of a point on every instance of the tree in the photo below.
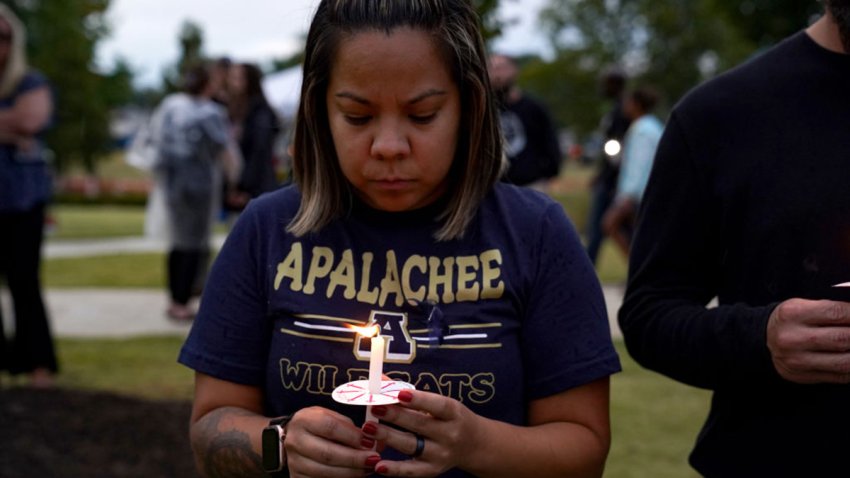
(491, 24)
(670, 44)
(63, 35)
(191, 54)
(765, 22)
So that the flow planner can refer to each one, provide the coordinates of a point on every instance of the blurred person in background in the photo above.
(531, 140)
(194, 148)
(26, 107)
(255, 128)
(639, 146)
(220, 71)
(604, 185)
(749, 203)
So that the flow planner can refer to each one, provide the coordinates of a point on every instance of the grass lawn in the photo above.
(117, 271)
(145, 367)
(654, 423)
(654, 420)
(96, 222)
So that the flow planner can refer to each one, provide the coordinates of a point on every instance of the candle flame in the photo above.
(370, 331)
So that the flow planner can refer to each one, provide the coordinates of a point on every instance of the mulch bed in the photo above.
(74, 433)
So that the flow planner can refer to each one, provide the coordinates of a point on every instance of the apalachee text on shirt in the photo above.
(460, 278)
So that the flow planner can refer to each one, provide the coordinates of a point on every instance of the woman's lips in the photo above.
(392, 184)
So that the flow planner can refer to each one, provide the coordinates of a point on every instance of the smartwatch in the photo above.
(274, 455)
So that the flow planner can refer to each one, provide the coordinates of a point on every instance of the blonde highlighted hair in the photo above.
(16, 63)
(454, 26)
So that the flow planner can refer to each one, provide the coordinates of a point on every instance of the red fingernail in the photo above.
(379, 411)
(405, 396)
(367, 442)
(370, 428)
(382, 469)
(372, 461)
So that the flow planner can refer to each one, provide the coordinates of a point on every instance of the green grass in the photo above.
(145, 367)
(97, 222)
(654, 420)
(115, 271)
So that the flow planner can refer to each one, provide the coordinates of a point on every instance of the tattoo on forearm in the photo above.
(224, 453)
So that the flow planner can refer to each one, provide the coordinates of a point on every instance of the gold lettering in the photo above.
(316, 379)
(343, 275)
(427, 382)
(436, 279)
(320, 266)
(413, 262)
(294, 377)
(490, 274)
(291, 267)
(466, 268)
(358, 374)
(390, 283)
(399, 376)
(365, 295)
(483, 388)
(452, 384)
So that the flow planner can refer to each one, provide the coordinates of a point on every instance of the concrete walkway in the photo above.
(118, 313)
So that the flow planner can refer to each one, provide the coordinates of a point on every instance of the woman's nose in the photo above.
(390, 141)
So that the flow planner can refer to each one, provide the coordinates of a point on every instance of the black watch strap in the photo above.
(281, 421)
(272, 443)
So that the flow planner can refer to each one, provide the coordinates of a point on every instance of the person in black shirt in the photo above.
(604, 185)
(749, 202)
(531, 142)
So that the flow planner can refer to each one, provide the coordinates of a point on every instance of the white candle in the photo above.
(376, 364)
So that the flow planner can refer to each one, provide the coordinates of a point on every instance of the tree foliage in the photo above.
(191, 40)
(62, 36)
(670, 44)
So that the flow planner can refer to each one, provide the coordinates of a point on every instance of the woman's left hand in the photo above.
(440, 433)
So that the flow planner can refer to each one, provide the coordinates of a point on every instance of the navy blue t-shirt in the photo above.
(523, 316)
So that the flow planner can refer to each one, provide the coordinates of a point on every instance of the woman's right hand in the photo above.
(322, 443)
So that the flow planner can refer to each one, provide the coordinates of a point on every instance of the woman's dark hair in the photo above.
(253, 81)
(454, 27)
(645, 97)
(196, 79)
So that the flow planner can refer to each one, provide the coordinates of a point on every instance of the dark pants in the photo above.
(600, 202)
(31, 347)
(185, 268)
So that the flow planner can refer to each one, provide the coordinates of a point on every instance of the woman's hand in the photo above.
(445, 429)
(323, 443)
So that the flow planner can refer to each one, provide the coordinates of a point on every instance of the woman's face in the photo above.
(236, 80)
(394, 113)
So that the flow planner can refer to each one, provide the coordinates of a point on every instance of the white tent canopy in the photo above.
(283, 89)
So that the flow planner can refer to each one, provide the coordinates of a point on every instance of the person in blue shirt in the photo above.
(26, 108)
(482, 290)
(639, 148)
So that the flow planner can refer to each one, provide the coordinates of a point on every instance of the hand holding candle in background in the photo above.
(809, 340)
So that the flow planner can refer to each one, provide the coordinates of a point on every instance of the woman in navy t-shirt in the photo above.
(482, 291)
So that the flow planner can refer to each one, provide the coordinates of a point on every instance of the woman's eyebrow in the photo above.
(416, 99)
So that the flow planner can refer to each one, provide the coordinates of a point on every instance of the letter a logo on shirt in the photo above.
(400, 347)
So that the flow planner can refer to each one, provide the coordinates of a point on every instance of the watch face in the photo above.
(271, 449)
